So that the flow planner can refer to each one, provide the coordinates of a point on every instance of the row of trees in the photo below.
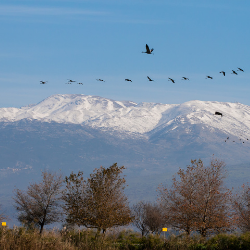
(98, 202)
(196, 201)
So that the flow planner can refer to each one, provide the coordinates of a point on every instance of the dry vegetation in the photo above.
(23, 239)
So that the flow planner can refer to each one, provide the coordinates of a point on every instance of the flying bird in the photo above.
(239, 69)
(234, 72)
(223, 72)
(218, 113)
(148, 51)
(80, 83)
(150, 79)
(128, 80)
(210, 77)
(69, 81)
(172, 80)
(184, 78)
(43, 82)
(100, 80)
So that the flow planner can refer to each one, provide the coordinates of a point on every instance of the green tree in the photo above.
(40, 205)
(74, 197)
(101, 202)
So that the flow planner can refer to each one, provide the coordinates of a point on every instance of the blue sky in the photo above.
(85, 40)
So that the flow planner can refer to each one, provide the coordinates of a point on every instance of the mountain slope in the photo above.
(142, 118)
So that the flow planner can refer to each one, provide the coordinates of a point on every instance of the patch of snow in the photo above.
(126, 116)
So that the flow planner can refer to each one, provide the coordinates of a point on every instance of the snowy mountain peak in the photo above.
(128, 116)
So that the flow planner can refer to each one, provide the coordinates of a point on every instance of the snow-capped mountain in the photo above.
(152, 140)
(142, 118)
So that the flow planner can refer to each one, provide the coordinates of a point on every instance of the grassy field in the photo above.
(22, 239)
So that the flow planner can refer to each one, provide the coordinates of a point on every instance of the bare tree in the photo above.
(40, 204)
(148, 217)
(139, 217)
(155, 219)
(198, 200)
(101, 203)
(241, 204)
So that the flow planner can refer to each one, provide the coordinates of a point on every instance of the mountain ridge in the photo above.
(130, 117)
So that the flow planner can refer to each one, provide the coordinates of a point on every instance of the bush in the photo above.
(231, 242)
(23, 239)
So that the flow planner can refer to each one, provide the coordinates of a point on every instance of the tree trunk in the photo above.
(41, 228)
(43, 222)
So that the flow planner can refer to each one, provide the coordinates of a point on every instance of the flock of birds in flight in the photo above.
(241, 140)
(149, 51)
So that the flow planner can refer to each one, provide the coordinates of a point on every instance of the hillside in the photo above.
(98, 112)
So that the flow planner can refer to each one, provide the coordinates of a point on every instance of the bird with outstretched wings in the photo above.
(150, 79)
(148, 50)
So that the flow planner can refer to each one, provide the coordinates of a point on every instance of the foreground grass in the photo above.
(23, 239)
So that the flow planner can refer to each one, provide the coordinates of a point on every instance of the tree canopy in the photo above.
(148, 217)
(99, 202)
(197, 199)
(41, 203)
(241, 205)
